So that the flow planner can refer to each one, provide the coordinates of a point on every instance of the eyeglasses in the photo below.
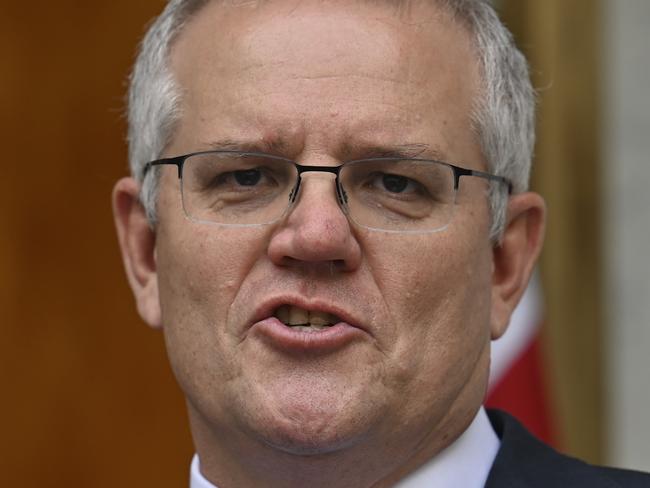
(235, 188)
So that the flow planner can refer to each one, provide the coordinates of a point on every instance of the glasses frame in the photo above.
(458, 171)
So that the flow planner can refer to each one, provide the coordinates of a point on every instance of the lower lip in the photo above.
(330, 339)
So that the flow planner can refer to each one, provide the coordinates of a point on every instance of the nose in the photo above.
(316, 231)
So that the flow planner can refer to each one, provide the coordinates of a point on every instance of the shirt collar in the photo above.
(476, 447)
(197, 480)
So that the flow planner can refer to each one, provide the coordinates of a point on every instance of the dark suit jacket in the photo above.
(525, 462)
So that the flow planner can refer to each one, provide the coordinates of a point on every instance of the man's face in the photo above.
(324, 82)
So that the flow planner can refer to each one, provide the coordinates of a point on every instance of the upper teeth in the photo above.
(295, 316)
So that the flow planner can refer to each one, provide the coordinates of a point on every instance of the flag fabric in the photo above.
(518, 382)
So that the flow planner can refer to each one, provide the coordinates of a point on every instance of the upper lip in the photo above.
(268, 307)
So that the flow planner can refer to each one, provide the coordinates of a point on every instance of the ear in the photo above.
(515, 256)
(137, 242)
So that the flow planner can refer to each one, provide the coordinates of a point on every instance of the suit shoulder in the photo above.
(626, 478)
(525, 462)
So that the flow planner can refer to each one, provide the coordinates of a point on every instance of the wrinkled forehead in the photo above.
(384, 70)
(406, 10)
(400, 27)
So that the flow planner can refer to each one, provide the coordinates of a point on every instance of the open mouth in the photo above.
(305, 320)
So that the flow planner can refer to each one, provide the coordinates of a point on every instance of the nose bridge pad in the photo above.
(294, 193)
(341, 195)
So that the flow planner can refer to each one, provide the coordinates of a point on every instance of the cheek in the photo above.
(200, 267)
(200, 271)
(437, 292)
(428, 279)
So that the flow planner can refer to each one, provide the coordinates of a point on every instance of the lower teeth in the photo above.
(309, 328)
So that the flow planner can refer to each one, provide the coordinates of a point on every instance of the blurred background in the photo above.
(87, 396)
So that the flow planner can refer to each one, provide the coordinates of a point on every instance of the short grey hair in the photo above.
(504, 113)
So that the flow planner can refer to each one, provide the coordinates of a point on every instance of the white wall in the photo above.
(626, 178)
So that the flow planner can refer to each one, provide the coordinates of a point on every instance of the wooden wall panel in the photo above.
(562, 42)
(87, 399)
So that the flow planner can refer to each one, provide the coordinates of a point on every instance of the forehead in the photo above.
(374, 67)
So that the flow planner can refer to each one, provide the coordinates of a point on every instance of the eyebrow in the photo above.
(271, 147)
(350, 150)
(406, 151)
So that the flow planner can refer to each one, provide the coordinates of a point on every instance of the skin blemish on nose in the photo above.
(227, 285)
(331, 227)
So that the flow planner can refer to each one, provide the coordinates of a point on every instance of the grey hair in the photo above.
(503, 117)
(504, 113)
(154, 98)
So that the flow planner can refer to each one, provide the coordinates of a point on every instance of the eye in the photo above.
(248, 177)
(243, 179)
(394, 183)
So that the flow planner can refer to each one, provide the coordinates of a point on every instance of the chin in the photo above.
(313, 422)
(309, 407)
(303, 437)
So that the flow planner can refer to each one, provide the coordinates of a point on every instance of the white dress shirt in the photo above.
(466, 462)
